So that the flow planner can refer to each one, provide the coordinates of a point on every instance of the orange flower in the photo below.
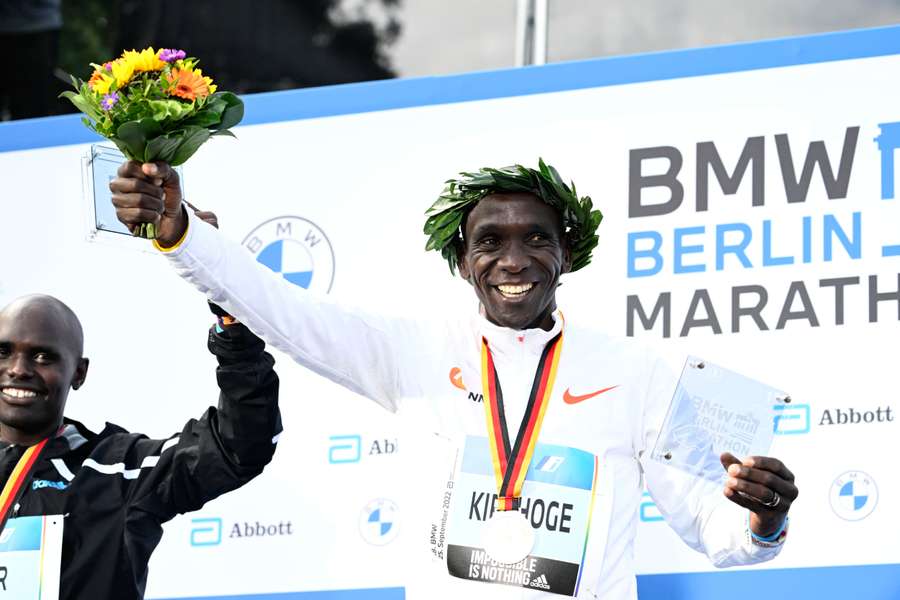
(187, 84)
(95, 77)
(100, 81)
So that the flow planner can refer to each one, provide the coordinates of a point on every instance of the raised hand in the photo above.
(150, 193)
(764, 486)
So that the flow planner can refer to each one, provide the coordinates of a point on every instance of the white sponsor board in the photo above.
(748, 218)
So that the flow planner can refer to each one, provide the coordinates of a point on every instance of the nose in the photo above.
(19, 367)
(514, 259)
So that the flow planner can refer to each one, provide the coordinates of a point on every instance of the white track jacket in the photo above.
(584, 488)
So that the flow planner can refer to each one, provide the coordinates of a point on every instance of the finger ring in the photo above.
(775, 501)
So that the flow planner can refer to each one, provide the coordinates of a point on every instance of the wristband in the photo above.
(769, 541)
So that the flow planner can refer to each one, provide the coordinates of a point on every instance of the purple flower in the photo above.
(170, 55)
(109, 100)
(108, 66)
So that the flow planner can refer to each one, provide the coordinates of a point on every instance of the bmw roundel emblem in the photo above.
(854, 495)
(295, 248)
(379, 522)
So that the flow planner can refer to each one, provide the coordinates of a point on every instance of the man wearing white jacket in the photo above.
(550, 467)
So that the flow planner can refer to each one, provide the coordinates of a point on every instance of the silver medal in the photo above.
(508, 537)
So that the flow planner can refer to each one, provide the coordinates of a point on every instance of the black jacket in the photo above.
(117, 488)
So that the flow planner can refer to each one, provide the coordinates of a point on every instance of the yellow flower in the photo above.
(122, 71)
(145, 60)
(100, 82)
(209, 82)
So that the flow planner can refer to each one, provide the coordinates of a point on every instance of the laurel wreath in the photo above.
(445, 217)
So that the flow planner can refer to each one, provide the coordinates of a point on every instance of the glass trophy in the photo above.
(101, 166)
(715, 410)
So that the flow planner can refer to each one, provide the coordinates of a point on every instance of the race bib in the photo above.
(558, 498)
(30, 557)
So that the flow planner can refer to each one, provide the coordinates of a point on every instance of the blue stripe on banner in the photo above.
(871, 582)
(403, 93)
(395, 593)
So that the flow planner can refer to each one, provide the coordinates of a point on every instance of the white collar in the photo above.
(505, 339)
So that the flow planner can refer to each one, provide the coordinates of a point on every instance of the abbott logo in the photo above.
(791, 419)
(344, 449)
(206, 532)
(649, 512)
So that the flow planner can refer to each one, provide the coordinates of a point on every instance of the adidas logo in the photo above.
(540, 582)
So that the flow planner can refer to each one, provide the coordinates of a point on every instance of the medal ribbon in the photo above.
(511, 463)
(15, 485)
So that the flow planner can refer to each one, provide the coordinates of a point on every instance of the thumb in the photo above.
(167, 177)
(727, 459)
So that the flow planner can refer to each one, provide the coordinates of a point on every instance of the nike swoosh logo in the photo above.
(456, 378)
(572, 399)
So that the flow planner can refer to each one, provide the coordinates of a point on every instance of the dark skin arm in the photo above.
(151, 193)
(756, 480)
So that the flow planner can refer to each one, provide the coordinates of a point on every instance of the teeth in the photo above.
(18, 393)
(514, 290)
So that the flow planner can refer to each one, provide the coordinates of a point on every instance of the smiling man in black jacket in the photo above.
(114, 489)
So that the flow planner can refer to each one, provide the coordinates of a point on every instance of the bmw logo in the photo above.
(853, 495)
(379, 522)
(296, 249)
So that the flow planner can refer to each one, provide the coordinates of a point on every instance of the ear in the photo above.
(567, 259)
(80, 373)
(462, 263)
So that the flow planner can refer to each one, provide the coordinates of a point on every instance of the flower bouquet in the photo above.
(155, 106)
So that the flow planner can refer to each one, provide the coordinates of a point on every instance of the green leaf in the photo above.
(76, 82)
(441, 220)
(132, 146)
(83, 104)
(169, 109)
(448, 202)
(221, 132)
(134, 136)
(123, 147)
(162, 148)
(216, 104)
(194, 137)
(204, 118)
(151, 128)
(448, 230)
(579, 218)
(234, 110)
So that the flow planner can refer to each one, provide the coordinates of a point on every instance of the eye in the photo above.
(539, 237)
(44, 357)
(488, 242)
(4, 350)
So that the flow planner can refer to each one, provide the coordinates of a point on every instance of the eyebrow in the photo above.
(36, 348)
(490, 227)
(45, 349)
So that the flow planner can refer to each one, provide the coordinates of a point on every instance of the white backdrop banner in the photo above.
(750, 218)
